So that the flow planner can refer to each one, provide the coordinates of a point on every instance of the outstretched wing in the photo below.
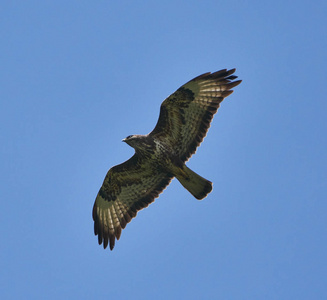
(127, 188)
(185, 115)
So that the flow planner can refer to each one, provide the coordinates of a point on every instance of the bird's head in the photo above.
(132, 140)
(141, 143)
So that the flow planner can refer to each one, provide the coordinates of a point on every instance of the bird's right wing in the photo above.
(127, 188)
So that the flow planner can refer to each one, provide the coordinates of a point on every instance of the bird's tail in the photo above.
(198, 186)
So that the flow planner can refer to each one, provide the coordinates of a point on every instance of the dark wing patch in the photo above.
(127, 188)
(185, 115)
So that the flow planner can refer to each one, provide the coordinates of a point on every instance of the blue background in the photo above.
(78, 76)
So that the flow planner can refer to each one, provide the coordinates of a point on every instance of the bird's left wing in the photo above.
(127, 188)
(185, 115)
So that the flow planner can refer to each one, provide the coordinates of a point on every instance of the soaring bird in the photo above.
(183, 122)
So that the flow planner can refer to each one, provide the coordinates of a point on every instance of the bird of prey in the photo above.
(183, 122)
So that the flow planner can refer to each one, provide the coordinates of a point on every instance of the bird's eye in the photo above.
(129, 137)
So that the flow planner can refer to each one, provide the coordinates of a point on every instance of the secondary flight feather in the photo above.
(183, 122)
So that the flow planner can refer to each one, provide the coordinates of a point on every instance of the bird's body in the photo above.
(165, 159)
(158, 153)
(184, 119)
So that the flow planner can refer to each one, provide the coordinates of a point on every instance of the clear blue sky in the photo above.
(78, 76)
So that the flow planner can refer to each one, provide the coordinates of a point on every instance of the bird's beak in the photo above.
(123, 140)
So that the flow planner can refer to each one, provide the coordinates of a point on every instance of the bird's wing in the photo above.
(185, 115)
(127, 188)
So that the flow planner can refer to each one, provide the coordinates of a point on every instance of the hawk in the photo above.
(160, 156)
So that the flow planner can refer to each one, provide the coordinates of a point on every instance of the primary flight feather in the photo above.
(183, 122)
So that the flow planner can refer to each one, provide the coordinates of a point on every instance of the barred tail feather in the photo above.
(198, 186)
